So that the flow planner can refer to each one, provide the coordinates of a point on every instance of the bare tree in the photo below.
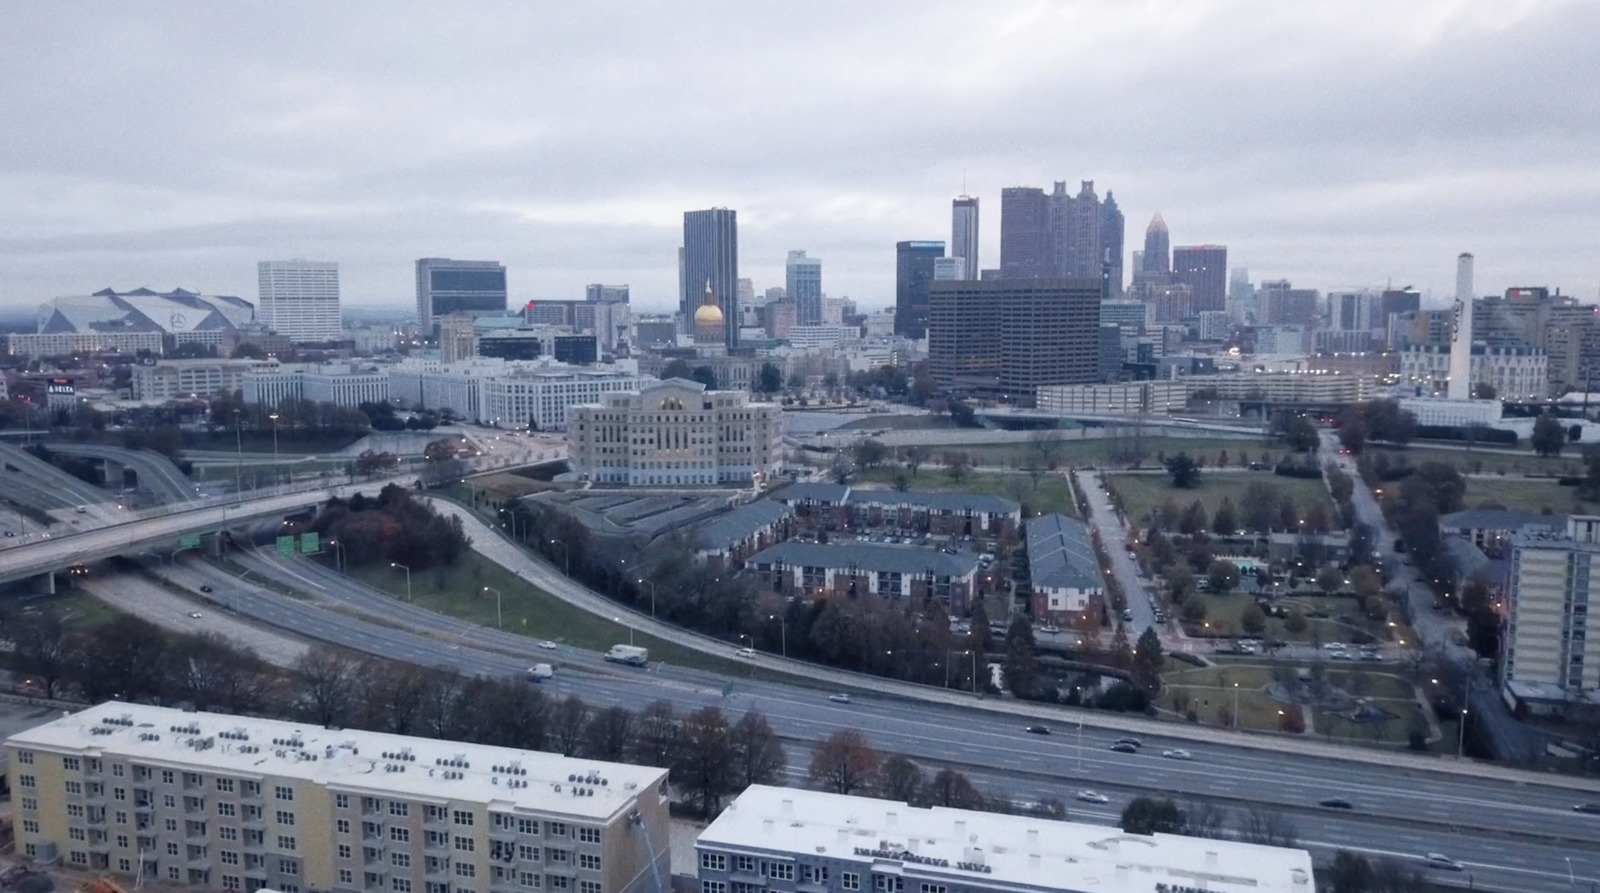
(392, 695)
(705, 765)
(758, 755)
(1204, 818)
(844, 763)
(901, 779)
(951, 788)
(325, 682)
(41, 649)
(1268, 827)
(656, 735)
(442, 713)
(1390, 875)
(567, 724)
(608, 734)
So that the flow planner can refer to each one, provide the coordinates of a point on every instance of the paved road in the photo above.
(1400, 811)
(156, 473)
(134, 594)
(1104, 517)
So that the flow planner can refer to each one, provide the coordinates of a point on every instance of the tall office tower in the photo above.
(1461, 335)
(1137, 261)
(1024, 233)
(1355, 311)
(1241, 295)
(913, 277)
(1113, 230)
(1157, 247)
(1205, 269)
(605, 294)
(964, 233)
(947, 269)
(300, 299)
(1075, 231)
(711, 254)
(776, 293)
(446, 286)
(1006, 338)
(803, 282)
(1284, 305)
(458, 337)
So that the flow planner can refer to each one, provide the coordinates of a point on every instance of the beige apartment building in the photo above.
(676, 433)
(1548, 655)
(217, 801)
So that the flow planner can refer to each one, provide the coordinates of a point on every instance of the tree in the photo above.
(705, 376)
(41, 651)
(1147, 660)
(1330, 580)
(1022, 666)
(705, 767)
(1351, 873)
(656, 735)
(957, 464)
(325, 681)
(1253, 620)
(954, 790)
(1194, 519)
(1185, 473)
(870, 453)
(1147, 815)
(1226, 520)
(844, 763)
(1301, 435)
(676, 368)
(1548, 436)
(901, 779)
(1352, 430)
(914, 456)
(1223, 576)
(608, 734)
(758, 755)
(770, 379)
(1267, 827)
(1296, 622)
(568, 723)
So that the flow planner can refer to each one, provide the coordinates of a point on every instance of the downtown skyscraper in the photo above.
(964, 233)
(1061, 235)
(1025, 245)
(803, 284)
(1157, 256)
(913, 279)
(1204, 268)
(299, 299)
(711, 259)
(446, 286)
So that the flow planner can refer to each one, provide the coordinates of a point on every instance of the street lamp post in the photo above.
(1235, 717)
(783, 633)
(408, 577)
(652, 585)
(566, 554)
(338, 555)
(238, 449)
(276, 470)
(630, 630)
(1461, 739)
(499, 615)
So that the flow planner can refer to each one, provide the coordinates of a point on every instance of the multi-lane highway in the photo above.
(1513, 836)
(156, 473)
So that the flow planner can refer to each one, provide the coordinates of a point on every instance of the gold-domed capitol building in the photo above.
(709, 326)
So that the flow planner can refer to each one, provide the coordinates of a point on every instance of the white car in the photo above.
(1439, 860)
(194, 615)
(748, 653)
(840, 698)
(547, 645)
(1093, 797)
(1177, 753)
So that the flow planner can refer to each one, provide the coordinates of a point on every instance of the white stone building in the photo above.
(1515, 374)
(544, 395)
(676, 433)
(191, 379)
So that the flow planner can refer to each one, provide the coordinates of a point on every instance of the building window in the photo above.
(888, 884)
(588, 887)
(588, 835)
(344, 850)
(346, 876)
(466, 869)
(462, 817)
(558, 857)
(713, 862)
(400, 835)
(289, 867)
(71, 764)
(26, 781)
(283, 792)
(168, 776)
(398, 808)
(780, 871)
(588, 862)
(229, 857)
(226, 810)
(934, 888)
(227, 833)
(25, 757)
(464, 844)
(29, 826)
(400, 885)
(555, 829)
(225, 785)
(341, 801)
(527, 853)
(343, 826)
(745, 864)
(285, 818)
(285, 842)
(528, 879)
(713, 887)
(849, 880)
(400, 860)
(527, 826)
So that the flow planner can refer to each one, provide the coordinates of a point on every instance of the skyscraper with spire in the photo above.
(1157, 247)
(964, 233)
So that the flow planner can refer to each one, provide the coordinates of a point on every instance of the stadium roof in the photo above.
(143, 310)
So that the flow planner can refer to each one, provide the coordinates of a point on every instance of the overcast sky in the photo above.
(1337, 144)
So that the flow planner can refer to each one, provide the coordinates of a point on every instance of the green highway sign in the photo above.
(189, 541)
(286, 545)
(310, 543)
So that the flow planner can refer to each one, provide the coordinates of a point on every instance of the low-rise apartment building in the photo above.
(860, 570)
(837, 506)
(236, 803)
(1064, 571)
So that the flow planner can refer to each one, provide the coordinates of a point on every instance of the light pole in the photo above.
(783, 633)
(630, 630)
(238, 448)
(652, 585)
(499, 616)
(1235, 717)
(275, 469)
(408, 577)
(338, 555)
(1461, 739)
(566, 554)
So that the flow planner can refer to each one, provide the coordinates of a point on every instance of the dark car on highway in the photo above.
(1335, 803)
(1036, 730)
(1124, 747)
(1587, 808)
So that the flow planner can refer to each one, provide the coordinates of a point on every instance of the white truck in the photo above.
(541, 672)
(628, 654)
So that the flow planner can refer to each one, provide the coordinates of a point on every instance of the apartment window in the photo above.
(251, 812)
(122, 841)
(285, 842)
(71, 764)
(289, 867)
(285, 818)
(344, 850)
(225, 785)
(466, 869)
(588, 887)
(817, 874)
(170, 824)
(462, 817)
(558, 857)
(343, 825)
(935, 888)
(780, 871)
(888, 884)
(30, 803)
(527, 826)
(588, 862)
(283, 792)
(400, 835)
(745, 863)
(29, 826)
(122, 818)
(255, 838)
(74, 810)
(713, 861)
(400, 860)
(228, 833)
(25, 757)
(168, 776)
(125, 865)
(528, 879)
(169, 801)
(346, 876)
(399, 809)
(118, 770)
(713, 887)
(559, 882)
(341, 801)
(75, 787)
(465, 844)
(230, 857)
(226, 810)
(527, 853)
(371, 804)
(172, 848)
(437, 814)
(556, 829)
(173, 874)
(588, 835)
(850, 880)
(400, 885)
(141, 773)
(76, 834)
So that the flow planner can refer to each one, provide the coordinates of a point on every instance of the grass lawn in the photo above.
(459, 591)
(1524, 495)
(80, 611)
(1209, 692)
(1053, 493)
(1075, 449)
(1223, 613)
(1142, 492)
(1522, 461)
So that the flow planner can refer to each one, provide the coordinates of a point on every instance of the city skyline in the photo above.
(295, 147)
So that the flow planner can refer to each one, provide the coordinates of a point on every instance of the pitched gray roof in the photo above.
(726, 530)
(937, 502)
(869, 557)
(1060, 555)
(827, 494)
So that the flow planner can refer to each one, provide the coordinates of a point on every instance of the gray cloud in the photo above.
(1336, 144)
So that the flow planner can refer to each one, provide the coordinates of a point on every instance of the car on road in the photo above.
(1587, 808)
(82, 510)
(194, 615)
(1036, 730)
(1127, 615)
(1441, 861)
(840, 698)
(1088, 796)
(205, 589)
(1335, 803)
(1124, 747)
(1177, 753)
(547, 645)
(1134, 742)
(747, 653)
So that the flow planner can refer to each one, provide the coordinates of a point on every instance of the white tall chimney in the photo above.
(1460, 386)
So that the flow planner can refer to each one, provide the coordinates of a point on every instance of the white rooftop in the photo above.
(992, 850)
(347, 760)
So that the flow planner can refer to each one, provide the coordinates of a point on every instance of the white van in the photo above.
(540, 672)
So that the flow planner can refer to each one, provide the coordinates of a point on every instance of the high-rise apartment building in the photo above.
(1547, 653)
(1157, 247)
(803, 284)
(446, 286)
(964, 233)
(299, 299)
(227, 802)
(1008, 337)
(913, 278)
(711, 255)
(1113, 230)
(1205, 269)
(1025, 244)
(595, 293)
